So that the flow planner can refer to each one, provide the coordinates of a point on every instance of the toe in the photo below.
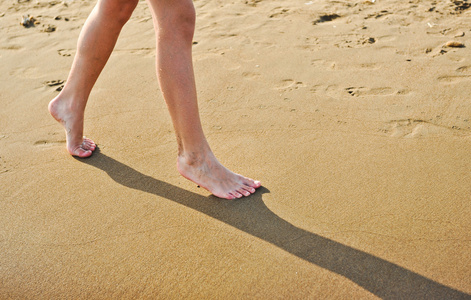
(249, 189)
(88, 144)
(252, 183)
(256, 184)
(82, 153)
(227, 196)
(92, 147)
(237, 194)
(245, 190)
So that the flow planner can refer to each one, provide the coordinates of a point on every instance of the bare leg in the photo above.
(174, 22)
(96, 42)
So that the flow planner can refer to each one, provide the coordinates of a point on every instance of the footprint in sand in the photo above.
(451, 79)
(47, 143)
(461, 4)
(368, 66)
(11, 47)
(3, 165)
(278, 12)
(378, 15)
(463, 69)
(54, 82)
(355, 41)
(138, 51)
(382, 91)
(250, 75)
(414, 128)
(289, 85)
(319, 62)
(331, 90)
(252, 2)
(66, 52)
(341, 66)
(360, 67)
(59, 84)
(326, 64)
(143, 51)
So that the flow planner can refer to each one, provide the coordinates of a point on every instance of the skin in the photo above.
(174, 23)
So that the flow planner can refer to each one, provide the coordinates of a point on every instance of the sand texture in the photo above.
(354, 115)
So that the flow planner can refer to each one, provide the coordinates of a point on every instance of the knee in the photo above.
(186, 23)
(179, 21)
(118, 10)
(186, 17)
(125, 10)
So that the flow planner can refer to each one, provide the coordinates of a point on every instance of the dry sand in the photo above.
(353, 114)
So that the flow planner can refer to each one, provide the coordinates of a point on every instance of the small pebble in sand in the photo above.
(27, 21)
(454, 44)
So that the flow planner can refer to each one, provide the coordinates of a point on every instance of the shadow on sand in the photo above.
(380, 277)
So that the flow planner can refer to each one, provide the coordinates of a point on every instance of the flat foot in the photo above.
(217, 179)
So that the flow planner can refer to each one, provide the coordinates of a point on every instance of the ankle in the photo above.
(66, 104)
(197, 157)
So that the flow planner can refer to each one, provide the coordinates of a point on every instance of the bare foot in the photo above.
(72, 120)
(208, 173)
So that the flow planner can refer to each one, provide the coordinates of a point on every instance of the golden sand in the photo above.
(353, 114)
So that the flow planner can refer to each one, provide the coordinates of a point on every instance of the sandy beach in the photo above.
(354, 115)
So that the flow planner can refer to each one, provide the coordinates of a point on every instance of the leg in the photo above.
(174, 22)
(96, 42)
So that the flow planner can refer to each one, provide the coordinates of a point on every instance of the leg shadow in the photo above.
(380, 277)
